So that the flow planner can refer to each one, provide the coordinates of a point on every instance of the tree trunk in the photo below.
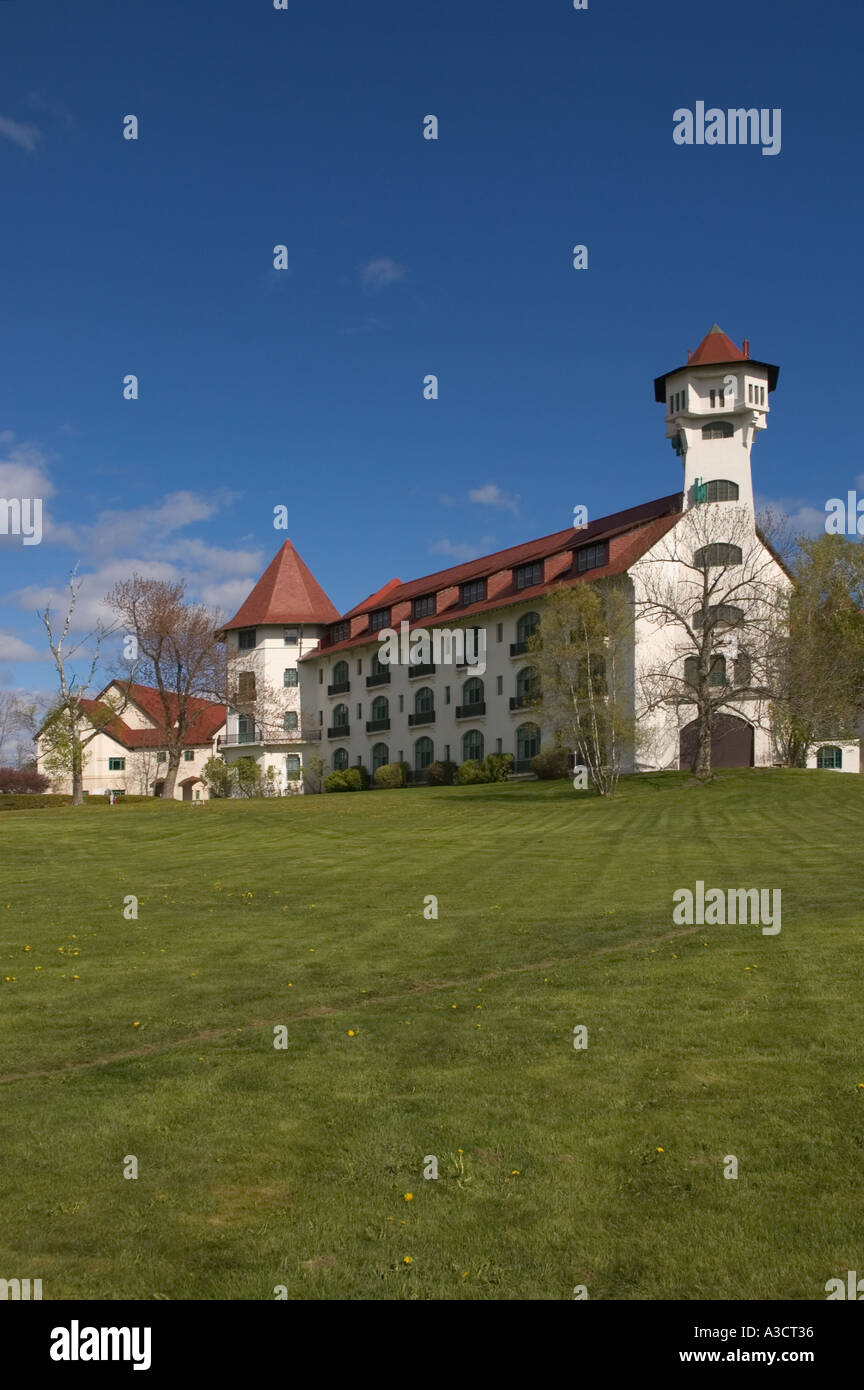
(77, 773)
(703, 756)
(171, 775)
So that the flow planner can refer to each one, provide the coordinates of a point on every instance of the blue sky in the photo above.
(303, 387)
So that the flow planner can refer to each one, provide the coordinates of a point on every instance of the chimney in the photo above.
(746, 346)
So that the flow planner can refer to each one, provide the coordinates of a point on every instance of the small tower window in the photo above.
(761, 395)
(713, 399)
(718, 429)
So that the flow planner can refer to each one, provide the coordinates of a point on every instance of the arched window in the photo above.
(340, 760)
(472, 745)
(527, 626)
(472, 692)
(424, 701)
(424, 754)
(527, 684)
(718, 429)
(380, 755)
(340, 717)
(719, 553)
(720, 615)
(720, 490)
(527, 742)
(380, 707)
(340, 673)
(292, 767)
(289, 675)
(717, 674)
(830, 757)
(289, 721)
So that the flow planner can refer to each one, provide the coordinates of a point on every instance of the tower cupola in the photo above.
(715, 405)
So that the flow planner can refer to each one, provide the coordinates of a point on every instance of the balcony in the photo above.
(426, 670)
(520, 648)
(426, 716)
(523, 701)
(340, 688)
(471, 711)
(380, 678)
(377, 726)
(338, 731)
(234, 740)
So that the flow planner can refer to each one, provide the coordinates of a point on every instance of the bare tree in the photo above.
(713, 597)
(176, 651)
(17, 715)
(69, 728)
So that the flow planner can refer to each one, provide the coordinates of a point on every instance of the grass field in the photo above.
(409, 1037)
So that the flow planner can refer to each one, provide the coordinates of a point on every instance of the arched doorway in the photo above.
(731, 743)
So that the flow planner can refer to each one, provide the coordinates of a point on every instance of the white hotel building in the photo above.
(330, 695)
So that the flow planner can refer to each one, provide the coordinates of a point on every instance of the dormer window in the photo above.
(423, 607)
(472, 592)
(379, 619)
(340, 632)
(591, 557)
(529, 575)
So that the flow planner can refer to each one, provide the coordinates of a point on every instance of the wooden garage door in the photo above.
(731, 743)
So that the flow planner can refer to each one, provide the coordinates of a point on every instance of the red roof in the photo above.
(286, 593)
(205, 718)
(630, 533)
(716, 348)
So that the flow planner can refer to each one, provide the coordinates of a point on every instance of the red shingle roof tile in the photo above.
(287, 592)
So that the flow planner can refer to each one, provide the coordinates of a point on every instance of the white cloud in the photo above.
(463, 550)
(12, 648)
(490, 495)
(802, 518)
(380, 272)
(21, 133)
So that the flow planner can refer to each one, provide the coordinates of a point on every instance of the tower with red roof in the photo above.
(272, 716)
(715, 404)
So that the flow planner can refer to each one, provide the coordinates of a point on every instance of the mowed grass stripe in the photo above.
(259, 1167)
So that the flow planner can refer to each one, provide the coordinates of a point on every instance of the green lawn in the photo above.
(410, 1037)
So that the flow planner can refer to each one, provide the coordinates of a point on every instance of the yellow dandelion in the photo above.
(136, 1025)
(514, 1172)
(409, 1196)
(351, 1033)
(660, 1151)
(407, 1260)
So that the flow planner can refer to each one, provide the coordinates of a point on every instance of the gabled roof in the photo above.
(287, 592)
(205, 717)
(715, 349)
(637, 528)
